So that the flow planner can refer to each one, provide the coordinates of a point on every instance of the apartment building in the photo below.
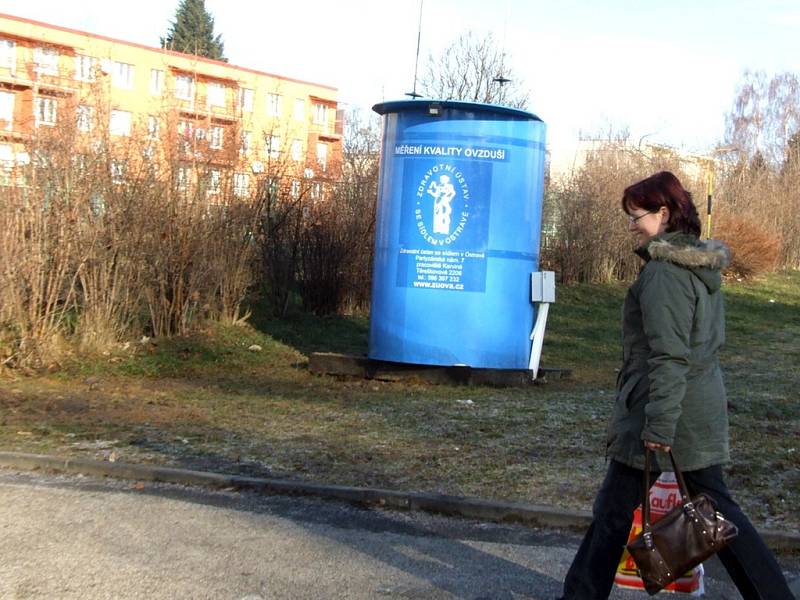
(216, 119)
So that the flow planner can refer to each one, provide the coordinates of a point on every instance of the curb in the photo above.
(473, 508)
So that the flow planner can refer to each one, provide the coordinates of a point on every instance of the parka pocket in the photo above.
(625, 397)
(620, 414)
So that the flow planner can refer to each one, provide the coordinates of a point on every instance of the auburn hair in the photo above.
(664, 189)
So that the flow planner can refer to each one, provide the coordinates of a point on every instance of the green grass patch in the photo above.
(309, 333)
(583, 331)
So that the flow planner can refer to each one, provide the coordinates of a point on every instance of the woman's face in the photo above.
(645, 225)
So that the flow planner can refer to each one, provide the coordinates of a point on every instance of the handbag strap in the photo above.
(646, 525)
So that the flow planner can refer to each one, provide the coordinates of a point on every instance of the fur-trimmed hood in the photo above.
(704, 259)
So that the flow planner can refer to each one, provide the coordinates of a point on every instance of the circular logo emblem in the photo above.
(442, 208)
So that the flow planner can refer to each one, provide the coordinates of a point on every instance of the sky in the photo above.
(664, 70)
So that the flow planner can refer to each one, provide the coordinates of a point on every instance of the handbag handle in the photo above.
(687, 503)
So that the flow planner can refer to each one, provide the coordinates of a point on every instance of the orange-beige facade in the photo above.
(236, 122)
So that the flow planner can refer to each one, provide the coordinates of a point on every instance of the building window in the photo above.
(299, 109)
(79, 164)
(297, 150)
(215, 137)
(45, 110)
(153, 127)
(246, 99)
(273, 146)
(122, 76)
(295, 189)
(97, 204)
(322, 155)
(46, 60)
(274, 105)
(84, 67)
(182, 178)
(8, 55)
(320, 114)
(120, 123)
(215, 94)
(245, 142)
(272, 188)
(186, 134)
(84, 118)
(7, 164)
(42, 160)
(118, 170)
(240, 184)
(6, 110)
(214, 178)
(156, 82)
(184, 87)
(316, 190)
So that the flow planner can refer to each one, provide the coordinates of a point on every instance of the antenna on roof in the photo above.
(502, 79)
(413, 93)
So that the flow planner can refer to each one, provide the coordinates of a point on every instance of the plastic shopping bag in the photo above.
(663, 497)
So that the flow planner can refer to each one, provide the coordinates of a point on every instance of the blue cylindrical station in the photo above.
(457, 234)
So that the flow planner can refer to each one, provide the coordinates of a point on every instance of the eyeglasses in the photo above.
(632, 219)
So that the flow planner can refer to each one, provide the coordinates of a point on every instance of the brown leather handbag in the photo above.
(679, 541)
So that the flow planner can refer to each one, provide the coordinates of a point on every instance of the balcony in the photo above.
(198, 108)
(12, 135)
(24, 75)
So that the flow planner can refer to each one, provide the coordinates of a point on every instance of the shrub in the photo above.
(100, 238)
(768, 198)
(586, 234)
(754, 250)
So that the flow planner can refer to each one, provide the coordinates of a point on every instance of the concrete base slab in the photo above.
(329, 363)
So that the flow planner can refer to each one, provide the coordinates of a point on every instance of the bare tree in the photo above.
(358, 195)
(764, 117)
(337, 239)
(476, 70)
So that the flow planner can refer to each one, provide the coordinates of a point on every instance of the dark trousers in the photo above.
(747, 559)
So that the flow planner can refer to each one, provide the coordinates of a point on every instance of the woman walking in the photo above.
(670, 393)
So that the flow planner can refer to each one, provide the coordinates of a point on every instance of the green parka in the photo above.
(670, 388)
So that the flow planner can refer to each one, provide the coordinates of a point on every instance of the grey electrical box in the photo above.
(543, 286)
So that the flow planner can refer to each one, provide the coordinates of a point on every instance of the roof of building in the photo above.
(162, 51)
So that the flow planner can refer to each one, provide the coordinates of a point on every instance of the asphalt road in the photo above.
(78, 537)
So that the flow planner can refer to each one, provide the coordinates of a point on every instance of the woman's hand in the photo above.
(656, 446)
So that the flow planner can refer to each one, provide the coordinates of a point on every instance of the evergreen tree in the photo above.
(192, 32)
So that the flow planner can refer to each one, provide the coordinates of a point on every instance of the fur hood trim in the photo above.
(712, 254)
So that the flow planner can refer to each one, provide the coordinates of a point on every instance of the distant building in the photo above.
(233, 120)
(588, 148)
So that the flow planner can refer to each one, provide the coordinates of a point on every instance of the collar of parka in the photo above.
(705, 259)
(686, 250)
